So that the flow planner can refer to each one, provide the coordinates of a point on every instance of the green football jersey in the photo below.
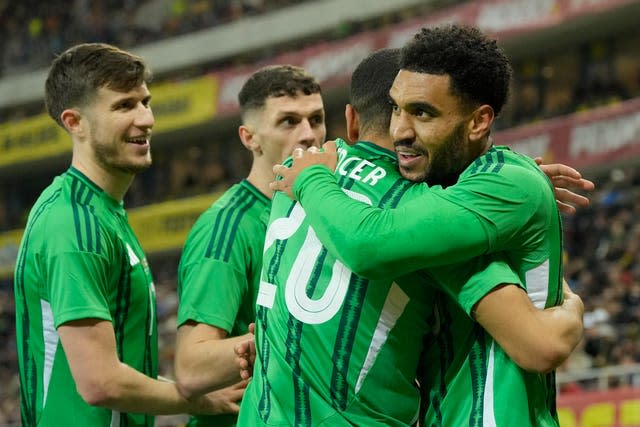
(501, 203)
(334, 348)
(220, 267)
(79, 259)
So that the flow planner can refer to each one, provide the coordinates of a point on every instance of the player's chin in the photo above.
(412, 173)
(140, 165)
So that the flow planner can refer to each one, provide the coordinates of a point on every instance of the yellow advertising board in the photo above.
(32, 139)
(160, 227)
(175, 106)
(9, 243)
(183, 104)
(164, 226)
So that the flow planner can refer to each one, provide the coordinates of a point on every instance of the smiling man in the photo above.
(484, 199)
(85, 300)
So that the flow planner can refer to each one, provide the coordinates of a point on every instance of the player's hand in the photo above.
(223, 401)
(246, 355)
(566, 180)
(301, 160)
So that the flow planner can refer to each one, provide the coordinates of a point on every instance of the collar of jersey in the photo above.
(109, 201)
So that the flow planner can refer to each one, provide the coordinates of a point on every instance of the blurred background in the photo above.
(575, 99)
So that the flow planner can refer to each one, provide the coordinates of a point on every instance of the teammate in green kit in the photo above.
(452, 82)
(334, 348)
(327, 344)
(85, 301)
(281, 108)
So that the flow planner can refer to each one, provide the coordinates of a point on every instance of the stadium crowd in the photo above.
(603, 267)
(602, 242)
(31, 30)
(596, 73)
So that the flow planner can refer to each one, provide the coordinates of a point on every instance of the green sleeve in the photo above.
(433, 227)
(470, 281)
(213, 293)
(220, 262)
(379, 243)
(78, 286)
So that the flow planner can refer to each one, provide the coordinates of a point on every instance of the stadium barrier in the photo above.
(600, 406)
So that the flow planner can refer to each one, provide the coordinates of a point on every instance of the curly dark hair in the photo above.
(274, 81)
(479, 69)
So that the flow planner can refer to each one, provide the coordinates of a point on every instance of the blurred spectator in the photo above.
(9, 408)
(599, 84)
(31, 31)
(604, 268)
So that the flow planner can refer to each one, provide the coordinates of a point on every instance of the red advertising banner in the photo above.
(332, 62)
(602, 136)
(611, 408)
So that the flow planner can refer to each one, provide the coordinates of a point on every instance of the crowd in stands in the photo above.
(596, 73)
(31, 30)
(603, 267)
(10, 389)
(602, 242)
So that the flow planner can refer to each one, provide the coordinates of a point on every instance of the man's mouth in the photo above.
(139, 140)
(407, 155)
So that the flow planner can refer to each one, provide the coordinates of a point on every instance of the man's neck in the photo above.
(114, 183)
(260, 178)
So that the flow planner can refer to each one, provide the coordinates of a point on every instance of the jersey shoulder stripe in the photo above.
(87, 224)
(226, 223)
(492, 161)
(392, 197)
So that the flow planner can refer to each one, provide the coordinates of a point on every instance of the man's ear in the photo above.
(480, 123)
(248, 139)
(353, 123)
(71, 119)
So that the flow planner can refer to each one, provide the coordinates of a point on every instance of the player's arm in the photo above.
(205, 358)
(381, 243)
(103, 380)
(374, 242)
(536, 340)
(246, 354)
(427, 231)
(565, 179)
(211, 292)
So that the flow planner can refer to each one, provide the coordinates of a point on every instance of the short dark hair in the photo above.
(77, 73)
(275, 81)
(479, 69)
(369, 90)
